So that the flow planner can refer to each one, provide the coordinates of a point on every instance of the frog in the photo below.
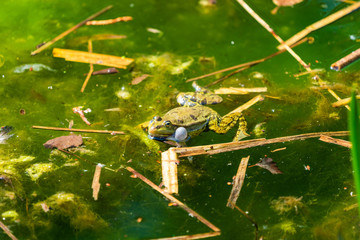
(183, 123)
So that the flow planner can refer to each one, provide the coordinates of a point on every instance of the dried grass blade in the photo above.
(248, 104)
(94, 58)
(238, 183)
(343, 102)
(336, 141)
(109, 21)
(91, 70)
(78, 130)
(169, 161)
(96, 181)
(7, 231)
(194, 236)
(321, 23)
(233, 90)
(46, 45)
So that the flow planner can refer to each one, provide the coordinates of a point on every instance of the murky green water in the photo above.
(228, 35)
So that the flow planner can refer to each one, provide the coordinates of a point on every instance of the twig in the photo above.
(337, 97)
(90, 48)
(238, 183)
(169, 163)
(233, 90)
(227, 76)
(7, 231)
(194, 236)
(343, 62)
(250, 219)
(96, 181)
(270, 30)
(78, 130)
(319, 24)
(46, 45)
(336, 141)
(232, 146)
(252, 63)
(94, 58)
(343, 101)
(247, 104)
(109, 21)
(308, 72)
(173, 199)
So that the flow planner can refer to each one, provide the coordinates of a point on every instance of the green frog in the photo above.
(183, 123)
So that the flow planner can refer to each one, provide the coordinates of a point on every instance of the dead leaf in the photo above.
(139, 79)
(64, 142)
(96, 181)
(268, 164)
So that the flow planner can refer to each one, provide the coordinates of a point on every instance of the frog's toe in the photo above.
(240, 135)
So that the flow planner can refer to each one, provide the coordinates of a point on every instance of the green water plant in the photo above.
(354, 125)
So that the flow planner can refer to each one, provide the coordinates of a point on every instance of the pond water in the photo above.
(312, 199)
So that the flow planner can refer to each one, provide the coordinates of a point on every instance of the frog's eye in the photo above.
(167, 123)
(157, 118)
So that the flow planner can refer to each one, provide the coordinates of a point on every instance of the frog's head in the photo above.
(160, 129)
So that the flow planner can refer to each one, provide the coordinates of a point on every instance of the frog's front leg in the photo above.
(224, 124)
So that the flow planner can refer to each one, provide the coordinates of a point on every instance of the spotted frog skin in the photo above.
(185, 122)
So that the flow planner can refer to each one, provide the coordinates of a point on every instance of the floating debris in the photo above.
(139, 79)
(64, 142)
(268, 164)
(81, 113)
(343, 62)
(32, 67)
(4, 134)
(109, 21)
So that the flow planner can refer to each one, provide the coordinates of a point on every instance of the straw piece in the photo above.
(336, 141)
(233, 90)
(46, 45)
(247, 104)
(91, 70)
(96, 181)
(169, 161)
(94, 58)
(321, 23)
(278, 149)
(174, 200)
(78, 130)
(343, 62)
(194, 236)
(238, 183)
(232, 146)
(337, 97)
(7, 231)
(343, 101)
(270, 30)
(252, 63)
(109, 21)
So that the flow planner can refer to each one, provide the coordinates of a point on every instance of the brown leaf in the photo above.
(269, 164)
(139, 79)
(64, 142)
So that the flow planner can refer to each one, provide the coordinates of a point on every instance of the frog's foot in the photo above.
(228, 122)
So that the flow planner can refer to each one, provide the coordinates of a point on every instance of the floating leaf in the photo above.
(268, 164)
(64, 142)
(139, 79)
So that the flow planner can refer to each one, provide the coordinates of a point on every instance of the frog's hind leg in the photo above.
(227, 122)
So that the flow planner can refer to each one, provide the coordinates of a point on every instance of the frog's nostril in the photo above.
(157, 118)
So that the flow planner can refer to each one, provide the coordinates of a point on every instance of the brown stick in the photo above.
(46, 45)
(270, 30)
(227, 76)
(343, 62)
(238, 183)
(173, 199)
(250, 219)
(232, 146)
(78, 130)
(7, 231)
(91, 70)
(194, 236)
(252, 63)
(321, 23)
(336, 141)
